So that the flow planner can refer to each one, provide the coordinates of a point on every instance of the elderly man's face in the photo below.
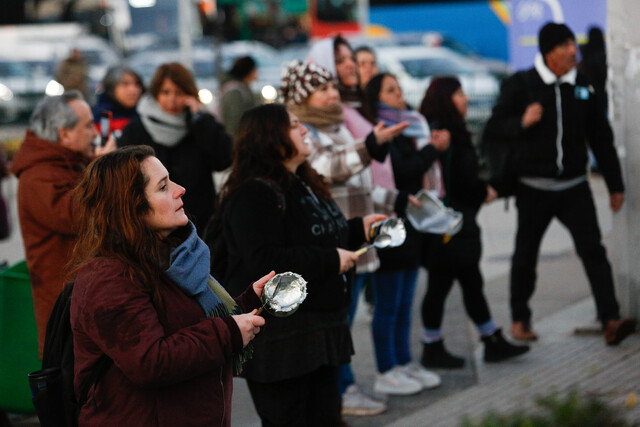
(80, 137)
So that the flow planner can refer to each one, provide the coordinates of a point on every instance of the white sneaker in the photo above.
(355, 402)
(427, 378)
(394, 381)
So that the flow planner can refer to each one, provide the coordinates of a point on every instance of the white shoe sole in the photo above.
(394, 391)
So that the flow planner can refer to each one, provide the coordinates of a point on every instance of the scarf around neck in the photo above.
(418, 127)
(318, 117)
(189, 268)
(165, 129)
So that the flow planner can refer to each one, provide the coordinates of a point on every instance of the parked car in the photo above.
(23, 82)
(204, 67)
(29, 58)
(415, 66)
(498, 68)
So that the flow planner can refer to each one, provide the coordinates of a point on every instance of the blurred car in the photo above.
(498, 68)
(28, 64)
(22, 84)
(415, 66)
(292, 52)
(205, 68)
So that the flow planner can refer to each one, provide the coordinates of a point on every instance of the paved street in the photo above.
(560, 361)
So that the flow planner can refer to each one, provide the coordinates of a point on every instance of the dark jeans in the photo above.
(391, 325)
(575, 209)
(458, 259)
(308, 400)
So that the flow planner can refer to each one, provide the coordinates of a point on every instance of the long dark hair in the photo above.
(353, 94)
(372, 96)
(438, 107)
(110, 206)
(261, 146)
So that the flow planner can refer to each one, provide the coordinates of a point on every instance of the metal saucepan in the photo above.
(283, 294)
(433, 216)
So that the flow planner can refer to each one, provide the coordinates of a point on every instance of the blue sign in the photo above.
(528, 16)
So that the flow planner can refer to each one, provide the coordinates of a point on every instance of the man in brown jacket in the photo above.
(56, 149)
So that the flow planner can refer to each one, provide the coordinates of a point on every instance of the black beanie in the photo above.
(552, 35)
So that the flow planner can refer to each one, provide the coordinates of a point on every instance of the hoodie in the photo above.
(47, 173)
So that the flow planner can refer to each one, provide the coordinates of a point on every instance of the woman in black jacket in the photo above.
(187, 140)
(276, 213)
(445, 107)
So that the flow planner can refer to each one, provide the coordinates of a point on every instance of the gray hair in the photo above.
(114, 76)
(53, 113)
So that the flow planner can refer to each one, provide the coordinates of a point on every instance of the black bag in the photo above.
(52, 387)
(500, 153)
(500, 157)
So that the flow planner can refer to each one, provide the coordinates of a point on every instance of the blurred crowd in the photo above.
(170, 272)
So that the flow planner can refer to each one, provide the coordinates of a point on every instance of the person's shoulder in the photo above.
(257, 191)
(103, 265)
(133, 132)
(258, 185)
(104, 274)
(521, 77)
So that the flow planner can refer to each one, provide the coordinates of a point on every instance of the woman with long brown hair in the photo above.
(143, 298)
(277, 213)
(445, 106)
(186, 138)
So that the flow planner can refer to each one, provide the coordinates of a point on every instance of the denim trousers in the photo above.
(346, 373)
(391, 324)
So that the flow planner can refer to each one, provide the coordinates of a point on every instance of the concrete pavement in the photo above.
(559, 361)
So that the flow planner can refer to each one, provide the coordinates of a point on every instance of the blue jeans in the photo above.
(391, 324)
(346, 374)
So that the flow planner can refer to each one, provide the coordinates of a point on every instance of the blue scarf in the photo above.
(418, 127)
(189, 269)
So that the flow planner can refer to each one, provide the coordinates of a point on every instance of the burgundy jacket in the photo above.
(175, 373)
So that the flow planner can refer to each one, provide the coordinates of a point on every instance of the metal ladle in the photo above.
(381, 241)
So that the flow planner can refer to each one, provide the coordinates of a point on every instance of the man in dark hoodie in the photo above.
(56, 149)
(551, 111)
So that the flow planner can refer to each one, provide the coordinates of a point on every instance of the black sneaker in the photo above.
(497, 349)
(434, 355)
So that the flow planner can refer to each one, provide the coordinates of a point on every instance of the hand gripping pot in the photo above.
(388, 233)
(432, 216)
(283, 294)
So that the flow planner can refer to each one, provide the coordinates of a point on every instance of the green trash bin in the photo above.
(18, 339)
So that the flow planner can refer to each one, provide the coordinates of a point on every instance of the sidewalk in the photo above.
(559, 362)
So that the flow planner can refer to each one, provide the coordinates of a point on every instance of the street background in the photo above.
(561, 360)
